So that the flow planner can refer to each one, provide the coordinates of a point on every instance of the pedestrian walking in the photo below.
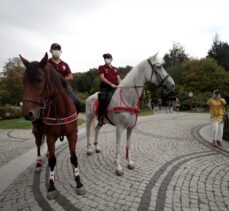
(177, 104)
(217, 111)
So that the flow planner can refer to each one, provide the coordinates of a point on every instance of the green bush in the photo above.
(10, 113)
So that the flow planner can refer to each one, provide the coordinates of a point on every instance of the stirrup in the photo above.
(101, 122)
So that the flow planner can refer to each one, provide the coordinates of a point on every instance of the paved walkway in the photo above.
(176, 169)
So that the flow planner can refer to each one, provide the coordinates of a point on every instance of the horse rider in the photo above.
(110, 78)
(63, 68)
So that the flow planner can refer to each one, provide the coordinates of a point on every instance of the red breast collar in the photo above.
(60, 121)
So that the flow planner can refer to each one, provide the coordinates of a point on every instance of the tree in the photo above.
(88, 82)
(123, 71)
(204, 75)
(11, 85)
(220, 52)
(175, 56)
(201, 77)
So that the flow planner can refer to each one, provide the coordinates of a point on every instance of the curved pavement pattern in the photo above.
(176, 169)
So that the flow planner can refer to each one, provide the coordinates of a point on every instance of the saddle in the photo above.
(96, 106)
(121, 107)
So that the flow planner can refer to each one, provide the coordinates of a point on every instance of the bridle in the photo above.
(46, 101)
(48, 104)
(153, 70)
(159, 78)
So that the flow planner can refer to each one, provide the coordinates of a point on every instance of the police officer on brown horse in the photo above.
(63, 68)
(110, 78)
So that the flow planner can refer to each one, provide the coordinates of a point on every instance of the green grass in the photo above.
(21, 123)
(80, 121)
(145, 112)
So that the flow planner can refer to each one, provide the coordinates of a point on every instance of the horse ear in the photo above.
(24, 61)
(155, 55)
(44, 61)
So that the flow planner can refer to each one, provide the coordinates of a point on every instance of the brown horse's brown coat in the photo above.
(45, 87)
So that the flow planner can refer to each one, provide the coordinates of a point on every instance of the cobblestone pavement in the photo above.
(14, 143)
(176, 169)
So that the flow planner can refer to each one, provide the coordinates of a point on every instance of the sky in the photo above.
(131, 30)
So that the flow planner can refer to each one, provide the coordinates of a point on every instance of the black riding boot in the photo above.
(77, 105)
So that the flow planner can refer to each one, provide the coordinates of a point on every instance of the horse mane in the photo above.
(33, 70)
(58, 79)
(129, 78)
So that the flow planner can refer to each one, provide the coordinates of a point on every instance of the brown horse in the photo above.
(47, 104)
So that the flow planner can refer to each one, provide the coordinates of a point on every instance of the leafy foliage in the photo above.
(220, 52)
(175, 56)
(11, 86)
(88, 82)
(201, 77)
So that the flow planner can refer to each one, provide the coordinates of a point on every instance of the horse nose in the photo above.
(29, 115)
(173, 86)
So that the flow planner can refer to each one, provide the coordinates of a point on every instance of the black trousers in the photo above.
(75, 100)
(103, 100)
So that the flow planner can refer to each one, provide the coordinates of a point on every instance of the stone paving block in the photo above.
(174, 170)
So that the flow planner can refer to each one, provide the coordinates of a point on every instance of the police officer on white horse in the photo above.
(110, 78)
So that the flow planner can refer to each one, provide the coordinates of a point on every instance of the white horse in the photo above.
(124, 105)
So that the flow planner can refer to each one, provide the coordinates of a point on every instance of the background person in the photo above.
(217, 110)
(177, 104)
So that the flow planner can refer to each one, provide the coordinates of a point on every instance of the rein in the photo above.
(38, 102)
(46, 103)
(160, 80)
(123, 107)
(42, 103)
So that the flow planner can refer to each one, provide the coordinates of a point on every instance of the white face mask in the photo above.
(56, 54)
(107, 61)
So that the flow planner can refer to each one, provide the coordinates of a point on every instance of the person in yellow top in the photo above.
(217, 110)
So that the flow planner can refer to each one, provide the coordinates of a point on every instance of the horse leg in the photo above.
(39, 139)
(128, 149)
(89, 119)
(119, 171)
(74, 161)
(52, 163)
(96, 142)
(39, 161)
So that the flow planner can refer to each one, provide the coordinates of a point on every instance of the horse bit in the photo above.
(45, 102)
(159, 78)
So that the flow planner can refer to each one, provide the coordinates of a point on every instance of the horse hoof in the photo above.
(89, 153)
(80, 191)
(119, 173)
(52, 195)
(98, 150)
(131, 166)
(38, 169)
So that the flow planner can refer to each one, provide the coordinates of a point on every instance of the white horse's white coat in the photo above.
(138, 76)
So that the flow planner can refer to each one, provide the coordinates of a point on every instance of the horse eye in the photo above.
(39, 81)
(158, 66)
